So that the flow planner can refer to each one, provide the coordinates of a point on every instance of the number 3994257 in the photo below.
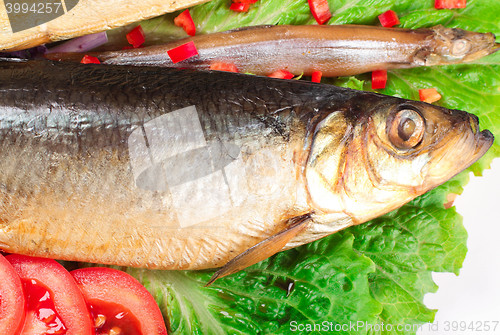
(471, 326)
(36, 8)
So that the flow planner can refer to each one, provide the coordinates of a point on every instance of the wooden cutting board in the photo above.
(28, 23)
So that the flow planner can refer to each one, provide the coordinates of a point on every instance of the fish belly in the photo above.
(93, 210)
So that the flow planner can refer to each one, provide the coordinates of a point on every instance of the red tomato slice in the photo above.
(320, 10)
(55, 305)
(245, 1)
(388, 19)
(182, 52)
(136, 37)
(220, 66)
(119, 302)
(448, 4)
(185, 21)
(379, 79)
(316, 76)
(90, 60)
(281, 74)
(429, 95)
(12, 303)
(239, 7)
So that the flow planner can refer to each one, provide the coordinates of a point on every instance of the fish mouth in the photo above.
(458, 153)
(454, 45)
(484, 139)
(496, 48)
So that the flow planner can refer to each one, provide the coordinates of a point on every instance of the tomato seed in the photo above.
(115, 331)
(99, 321)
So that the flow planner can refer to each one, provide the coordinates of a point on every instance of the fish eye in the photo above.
(406, 129)
(460, 47)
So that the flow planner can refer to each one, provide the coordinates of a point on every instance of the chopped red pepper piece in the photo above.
(245, 1)
(239, 7)
(185, 21)
(441, 4)
(219, 66)
(281, 74)
(316, 76)
(90, 60)
(379, 79)
(182, 52)
(136, 37)
(320, 10)
(429, 95)
(388, 19)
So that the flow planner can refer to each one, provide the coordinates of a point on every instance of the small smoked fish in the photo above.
(180, 169)
(335, 50)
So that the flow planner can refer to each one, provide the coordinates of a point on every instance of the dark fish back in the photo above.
(75, 106)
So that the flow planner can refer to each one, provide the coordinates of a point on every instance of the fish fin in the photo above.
(264, 249)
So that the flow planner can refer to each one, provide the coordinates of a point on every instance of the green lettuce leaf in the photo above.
(373, 273)
(370, 274)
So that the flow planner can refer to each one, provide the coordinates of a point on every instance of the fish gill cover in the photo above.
(376, 272)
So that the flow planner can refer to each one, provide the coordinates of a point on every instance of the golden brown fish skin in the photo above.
(335, 50)
(67, 189)
(337, 156)
(89, 16)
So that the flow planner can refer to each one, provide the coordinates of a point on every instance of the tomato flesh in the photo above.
(281, 74)
(136, 37)
(55, 305)
(219, 66)
(109, 317)
(379, 79)
(12, 301)
(185, 21)
(41, 314)
(245, 1)
(449, 4)
(429, 95)
(90, 60)
(320, 10)
(120, 300)
(239, 7)
(182, 52)
(389, 19)
(316, 76)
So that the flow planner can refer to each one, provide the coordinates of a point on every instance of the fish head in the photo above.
(375, 161)
(454, 45)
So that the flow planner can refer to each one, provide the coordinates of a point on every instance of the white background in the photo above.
(475, 294)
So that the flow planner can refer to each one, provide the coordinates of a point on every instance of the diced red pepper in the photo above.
(388, 19)
(182, 52)
(219, 66)
(320, 10)
(429, 95)
(442, 4)
(90, 60)
(379, 79)
(136, 37)
(316, 76)
(281, 74)
(185, 21)
(239, 7)
(245, 1)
